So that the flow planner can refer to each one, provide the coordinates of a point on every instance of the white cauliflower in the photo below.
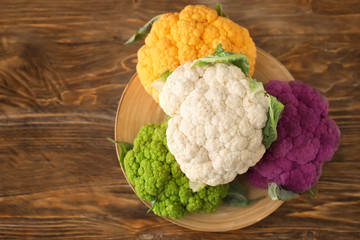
(215, 129)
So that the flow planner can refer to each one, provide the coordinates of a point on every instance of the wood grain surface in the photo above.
(63, 68)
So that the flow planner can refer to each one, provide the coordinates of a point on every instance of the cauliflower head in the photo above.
(215, 129)
(307, 138)
(177, 38)
(157, 177)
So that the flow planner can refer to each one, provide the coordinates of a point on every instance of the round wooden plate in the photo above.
(137, 108)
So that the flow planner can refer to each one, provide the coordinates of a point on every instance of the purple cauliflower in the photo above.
(307, 138)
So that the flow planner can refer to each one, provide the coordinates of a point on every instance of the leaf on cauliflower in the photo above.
(124, 148)
(160, 82)
(153, 202)
(142, 32)
(220, 11)
(220, 55)
(274, 112)
(237, 196)
(313, 192)
(165, 75)
(276, 192)
(256, 87)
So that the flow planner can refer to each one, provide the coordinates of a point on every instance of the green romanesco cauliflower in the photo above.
(157, 177)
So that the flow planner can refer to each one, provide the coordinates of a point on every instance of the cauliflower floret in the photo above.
(177, 38)
(307, 138)
(215, 130)
(157, 177)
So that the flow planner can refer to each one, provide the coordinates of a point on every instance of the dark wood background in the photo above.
(63, 68)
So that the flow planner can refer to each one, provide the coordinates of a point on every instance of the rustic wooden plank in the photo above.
(63, 67)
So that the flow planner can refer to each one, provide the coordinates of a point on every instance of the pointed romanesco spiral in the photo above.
(177, 38)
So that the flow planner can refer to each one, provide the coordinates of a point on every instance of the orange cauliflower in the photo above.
(177, 38)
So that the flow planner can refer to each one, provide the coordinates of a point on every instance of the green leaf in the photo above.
(220, 55)
(274, 112)
(220, 11)
(256, 87)
(220, 52)
(165, 75)
(237, 196)
(313, 192)
(153, 202)
(276, 192)
(160, 82)
(124, 148)
(142, 32)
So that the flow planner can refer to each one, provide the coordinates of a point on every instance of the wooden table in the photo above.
(63, 68)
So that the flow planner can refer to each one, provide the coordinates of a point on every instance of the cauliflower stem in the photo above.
(276, 192)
